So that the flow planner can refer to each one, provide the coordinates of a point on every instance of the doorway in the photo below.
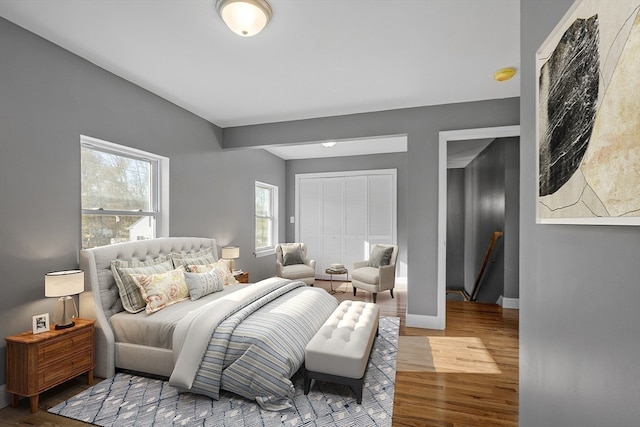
(444, 138)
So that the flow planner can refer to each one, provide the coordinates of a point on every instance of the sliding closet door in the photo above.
(333, 226)
(340, 215)
(355, 215)
(381, 209)
(310, 216)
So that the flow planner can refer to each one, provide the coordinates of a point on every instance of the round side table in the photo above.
(331, 272)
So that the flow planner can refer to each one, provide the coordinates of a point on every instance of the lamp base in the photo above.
(66, 311)
(68, 325)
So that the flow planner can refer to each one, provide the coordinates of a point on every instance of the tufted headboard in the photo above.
(100, 299)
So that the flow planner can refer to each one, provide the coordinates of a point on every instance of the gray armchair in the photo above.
(378, 273)
(292, 263)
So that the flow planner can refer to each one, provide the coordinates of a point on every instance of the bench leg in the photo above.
(355, 384)
(357, 389)
(307, 382)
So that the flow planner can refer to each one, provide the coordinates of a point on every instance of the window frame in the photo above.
(273, 191)
(159, 183)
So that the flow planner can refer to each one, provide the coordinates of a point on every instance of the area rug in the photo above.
(129, 400)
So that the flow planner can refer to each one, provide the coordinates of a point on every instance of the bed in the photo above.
(247, 339)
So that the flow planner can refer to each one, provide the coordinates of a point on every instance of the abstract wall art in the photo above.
(588, 116)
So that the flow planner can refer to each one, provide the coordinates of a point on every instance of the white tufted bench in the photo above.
(339, 351)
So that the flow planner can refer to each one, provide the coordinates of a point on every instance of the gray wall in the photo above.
(355, 163)
(455, 228)
(48, 98)
(511, 238)
(422, 127)
(484, 214)
(579, 290)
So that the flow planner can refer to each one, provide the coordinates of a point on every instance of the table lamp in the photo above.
(64, 284)
(230, 253)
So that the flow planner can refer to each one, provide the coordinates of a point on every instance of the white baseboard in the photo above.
(5, 399)
(513, 303)
(424, 322)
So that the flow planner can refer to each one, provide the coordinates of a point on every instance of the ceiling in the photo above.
(316, 58)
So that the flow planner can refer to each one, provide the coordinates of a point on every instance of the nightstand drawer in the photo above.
(59, 348)
(69, 367)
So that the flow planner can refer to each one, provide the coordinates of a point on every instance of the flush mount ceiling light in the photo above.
(244, 17)
(328, 144)
(504, 74)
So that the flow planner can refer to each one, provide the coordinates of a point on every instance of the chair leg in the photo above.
(374, 297)
(354, 292)
(391, 290)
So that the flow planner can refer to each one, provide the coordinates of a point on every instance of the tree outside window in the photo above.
(119, 192)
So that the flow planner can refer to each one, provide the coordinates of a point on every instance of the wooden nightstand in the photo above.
(36, 363)
(242, 277)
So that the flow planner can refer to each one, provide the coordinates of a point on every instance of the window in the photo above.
(266, 218)
(124, 193)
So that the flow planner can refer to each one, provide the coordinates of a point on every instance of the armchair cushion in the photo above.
(367, 275)
(298, 272)
(380, 256)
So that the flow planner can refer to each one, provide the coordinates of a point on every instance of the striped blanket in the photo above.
(254, 342)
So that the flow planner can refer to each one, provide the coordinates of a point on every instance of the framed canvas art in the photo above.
(588, 116)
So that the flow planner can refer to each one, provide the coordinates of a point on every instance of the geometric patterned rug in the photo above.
(130, 400)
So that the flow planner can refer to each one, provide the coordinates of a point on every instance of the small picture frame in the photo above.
(40, 323)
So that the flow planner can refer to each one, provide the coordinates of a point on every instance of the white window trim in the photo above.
(162, 163)
(268, 250)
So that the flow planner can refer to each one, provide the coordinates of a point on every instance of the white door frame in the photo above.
(445, 137)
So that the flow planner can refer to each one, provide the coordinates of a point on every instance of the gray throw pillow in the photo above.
(291, 255)
(380, 256)
(201, 284)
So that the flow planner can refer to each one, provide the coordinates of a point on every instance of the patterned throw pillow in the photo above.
(204, 256)
(162, 289)
(130, 294)
(292, 254)
(201, 284)
(221, 268)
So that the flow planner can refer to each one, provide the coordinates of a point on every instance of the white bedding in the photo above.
(156, 330)
(251, 342)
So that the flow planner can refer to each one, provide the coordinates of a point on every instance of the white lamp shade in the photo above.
(231, 252)
(245, 17)
(63, 283)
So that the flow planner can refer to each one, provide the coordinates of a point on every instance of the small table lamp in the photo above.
(63, 284)
(230, 253)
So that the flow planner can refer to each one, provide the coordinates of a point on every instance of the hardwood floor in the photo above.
(466, 375)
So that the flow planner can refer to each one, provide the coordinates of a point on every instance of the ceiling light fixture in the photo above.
(504, 74)
(328, 144)
(244, 17)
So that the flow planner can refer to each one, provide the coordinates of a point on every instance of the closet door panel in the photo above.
(333, 223)
(355, 200)
(333, 207)
(355, 213)
(381, 209)
(310, 218)
(355, 249)
(310, 208)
